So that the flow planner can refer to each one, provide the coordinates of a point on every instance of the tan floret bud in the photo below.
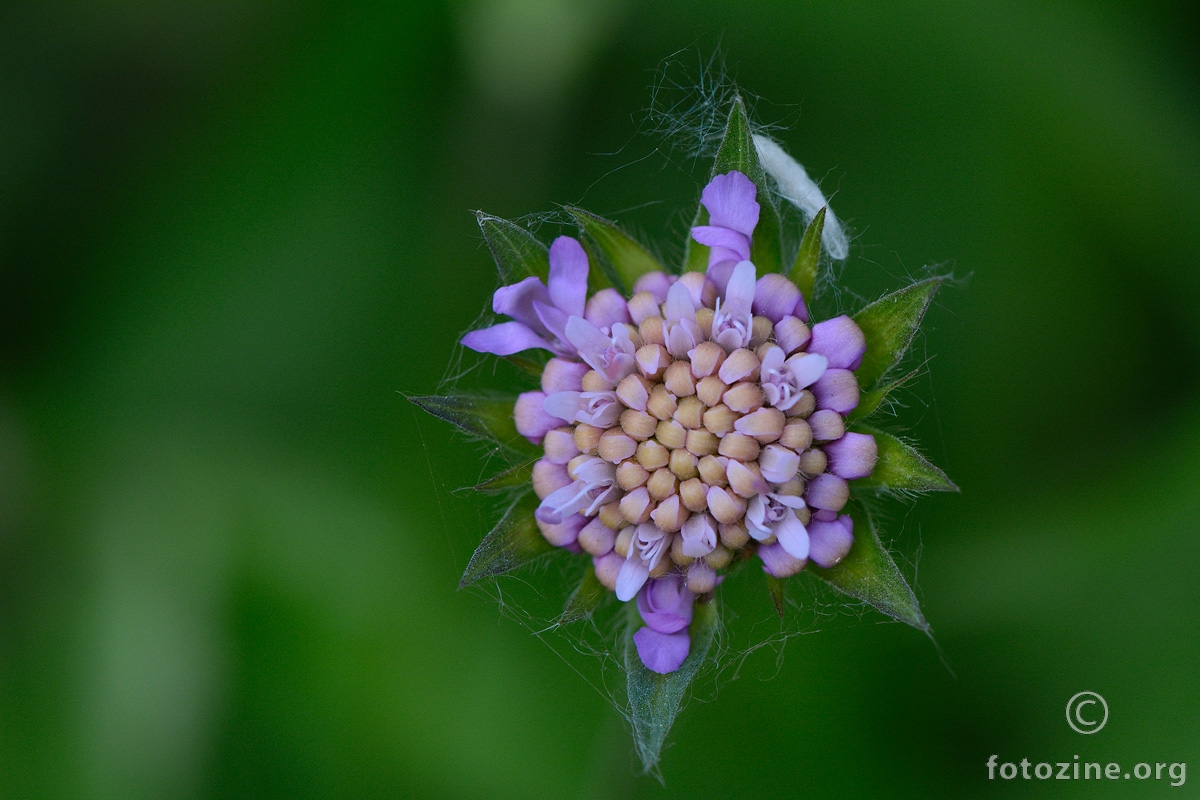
(638, 425)
(813, 462)
(662, 484)
(707, 358)
(670, 514)
(694, 495)
(636, 506)
(765, 424)
(678, 379)
(594, 382)
(704, 318)
(761, 331)
(651, 330)
(741, 365)
(615, 446)
(719, 558)
(683, 464)
(652, 455)
(587, 437)
(634, 391)
(624, 539)
(702, 443)
(739, 446)
(712, 470)
(689, 412)
(744, 397)
(726, 506)
(719, 420)
(677, 552)
(733, 536)
(652, 360)
(631, 475)
(710, 389)
(797, 435)
(661, 404)
(610, 515)
(806, 403)
(670, 434)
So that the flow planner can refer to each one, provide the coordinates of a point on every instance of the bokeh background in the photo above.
(231, 233)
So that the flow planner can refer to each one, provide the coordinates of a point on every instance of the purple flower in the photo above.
(601, 409)
(840, 340)
(774, 515)
(732, 216)
(609, 353)
(829, 540)
(665, 605)
(540, 312)
(681, 329)
(852, 456)
(783, 380)
(592, 488)
(646, 549)
(733, 321)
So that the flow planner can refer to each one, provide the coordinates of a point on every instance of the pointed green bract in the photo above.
(808, 258)
(695, 255)
(737, 152)
(775, 588)
(868, 573)
(514, 541)
(869, 402)
(622, 258)
(512, 478)
(889, 325)
(654, 699)
(584, 599)
(901, 468)
(485, 417)
(518, 254)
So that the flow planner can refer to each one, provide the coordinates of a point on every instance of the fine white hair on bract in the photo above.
(801, 191)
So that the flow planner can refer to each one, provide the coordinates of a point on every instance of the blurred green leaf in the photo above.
(653, 698)
(868, 573)
(486, 417)
(808, 258)
(622, 259)
(870, 401)
(584, 599)
(512, 478)
(737, 153)
(518, 254)
(902, 469)
(514, 541)
(889, 325)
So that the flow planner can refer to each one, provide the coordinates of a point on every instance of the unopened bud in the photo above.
(661, 404)
(710, 389)
(701, 443)
(739, 366)
(587, 437)
(670, 434)
(744, 397)
(739, 446)
(683, 464)
(689, 412)
(678, 379)
(707, 358)
(631, 474)
(652, 455)
(662, 484)
(651, 330)
(636, 506)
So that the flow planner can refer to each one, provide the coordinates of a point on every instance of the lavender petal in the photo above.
(662, 652)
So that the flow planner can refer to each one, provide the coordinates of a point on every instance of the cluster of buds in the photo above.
(699, 421)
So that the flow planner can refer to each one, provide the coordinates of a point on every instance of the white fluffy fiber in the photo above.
(801, 191)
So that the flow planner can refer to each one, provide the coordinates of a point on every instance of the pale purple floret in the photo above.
(606, 308)
(830, 541)
(775, 297)
(592, 488)
(699, 535)
(733, 321)
(540, 311)
(732, 215)
(774, 514)
(852, 456)
(791, 333)
(657, 283)
(610, 353)
(778, 562)
(563, 533)
(827, 425)
(837, 390)
(778, 463)
(666, 605)
(827, 492)
(840, 340)
(561, 375)
(784, 379)
(601, 409)
(531, 418)
(646, 549)
(682, 331)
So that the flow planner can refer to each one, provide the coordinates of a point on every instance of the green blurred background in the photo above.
(231, 233)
